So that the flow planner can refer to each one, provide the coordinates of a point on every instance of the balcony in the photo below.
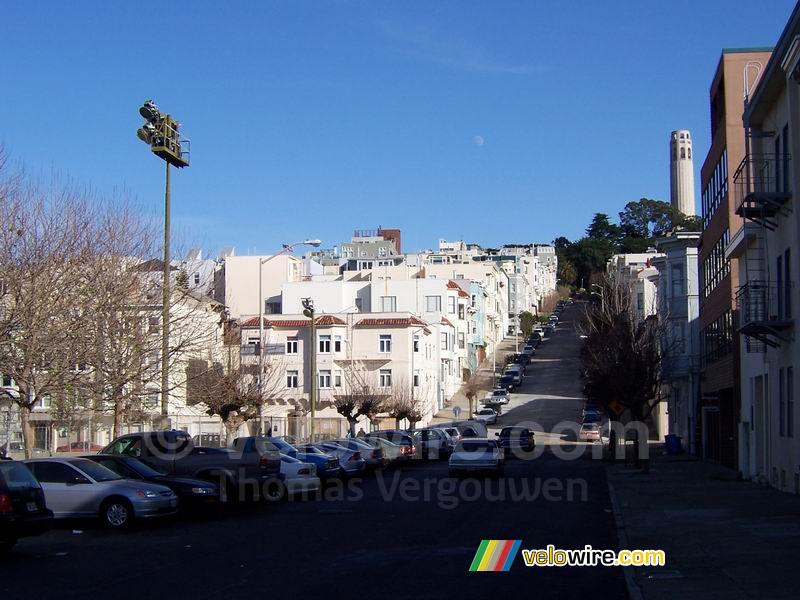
(761, 188)
(251, 349)
(764, 311)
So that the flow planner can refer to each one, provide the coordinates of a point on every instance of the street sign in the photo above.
(456, 411)
(616, 407)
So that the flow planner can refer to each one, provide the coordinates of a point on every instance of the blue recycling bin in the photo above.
(672, 444)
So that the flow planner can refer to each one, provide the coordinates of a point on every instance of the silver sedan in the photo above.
(78, 487)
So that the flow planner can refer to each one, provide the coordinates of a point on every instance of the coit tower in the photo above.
(681, 172)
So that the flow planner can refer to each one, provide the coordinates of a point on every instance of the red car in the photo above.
(80, 447)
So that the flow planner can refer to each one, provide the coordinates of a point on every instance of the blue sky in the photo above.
(490, 121)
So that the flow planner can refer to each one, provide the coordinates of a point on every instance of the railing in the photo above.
(761, 175)
(762, 301)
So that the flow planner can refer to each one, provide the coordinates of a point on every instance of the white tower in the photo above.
(681, 172)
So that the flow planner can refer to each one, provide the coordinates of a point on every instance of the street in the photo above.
(411, 532)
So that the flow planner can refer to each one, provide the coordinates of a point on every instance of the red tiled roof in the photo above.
(322, 321)
(462, 294)
(392, 322)
(452, 285)
(446, 322)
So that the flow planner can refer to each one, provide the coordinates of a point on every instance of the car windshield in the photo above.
(500, 392)
(17, 476)
(142, 469)
(282, 445)
(486, 411)
(93, 470)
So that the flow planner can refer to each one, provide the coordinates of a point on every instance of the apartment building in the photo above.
(635, 271)
(766, 250)
(719, 403)
(677, 286)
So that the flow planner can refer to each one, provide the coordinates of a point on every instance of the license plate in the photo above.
(31, 506)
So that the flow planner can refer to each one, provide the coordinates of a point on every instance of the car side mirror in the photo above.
(496, 434)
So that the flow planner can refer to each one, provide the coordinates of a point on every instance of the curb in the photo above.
(634, 591)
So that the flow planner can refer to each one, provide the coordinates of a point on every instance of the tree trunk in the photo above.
(352, 421)
(118, 418)
(27, 428)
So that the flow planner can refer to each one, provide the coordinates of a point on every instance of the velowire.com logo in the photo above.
(495, 555)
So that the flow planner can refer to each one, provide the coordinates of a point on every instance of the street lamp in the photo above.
(160, 132)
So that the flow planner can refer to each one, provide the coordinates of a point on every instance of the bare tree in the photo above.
(471, 388)
(360, 397)
(236, 394)
(406, 402)
(621, 355)
(45, 240)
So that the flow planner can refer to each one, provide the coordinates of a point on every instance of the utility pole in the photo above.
(165, 311)
(308, 310)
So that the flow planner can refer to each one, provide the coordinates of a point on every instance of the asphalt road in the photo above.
(410, 533)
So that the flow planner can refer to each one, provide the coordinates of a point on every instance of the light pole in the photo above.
(285, 249)
(308, 310)
(160, 132)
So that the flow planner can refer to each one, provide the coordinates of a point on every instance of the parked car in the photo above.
(477, 454)
(506, 382)
(487, 416)
(590, 432)
(498, 396)
(432, 443)
(79, 447)
(392, 453)
(591, 416)
(515, 438)
(23, 510)
(191, 493)
(18, 449)
(174, 453)
(372, 456)
(455, 435)
(350, 461)
(81, 488)
(298, 476)
(517, 372)
(549, 329)
(528, 350)
(327, 465)
(396, 436)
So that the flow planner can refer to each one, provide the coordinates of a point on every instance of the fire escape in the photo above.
(762, 194)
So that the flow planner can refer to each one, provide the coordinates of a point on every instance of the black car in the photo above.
(519, 438)
(23, 512)
(397, 436)
(192, 493)
(506, 382)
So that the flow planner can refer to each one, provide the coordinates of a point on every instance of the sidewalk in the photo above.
(485, 379)
(723, 538)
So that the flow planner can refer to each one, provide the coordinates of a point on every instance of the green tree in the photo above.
(566, 271)
(603, 229)
(526, 321)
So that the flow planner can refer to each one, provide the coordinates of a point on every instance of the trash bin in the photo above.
(672, 444)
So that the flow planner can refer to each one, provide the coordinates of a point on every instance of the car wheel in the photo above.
(274, 490)
(116, 513)
(7, 545)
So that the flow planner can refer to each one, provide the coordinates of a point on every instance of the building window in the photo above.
(385, 344)
(386, 378)
(787, 284)
(715, 266)
(640, 300)
(433, 303)
(474, 301)
(781, 402)
(291, 345)
(292, 379)
(717, 338)
(359, 304)
(790, 401)
(416, 343)
(716, 189)
(337, 379)
(461, 311)
(324, 379)
(337, 343)
(381, 251)
(324, 344)
(197, 278)
(444, 340)
(678, 282)
(272, 308)
(388, 303)
(416, 378)
(461, 341)
(451, 305)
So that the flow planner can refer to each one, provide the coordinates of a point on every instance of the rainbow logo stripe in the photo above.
(495, 555)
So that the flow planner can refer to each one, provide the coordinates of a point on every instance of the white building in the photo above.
(635, 271)
(768, 250)
(678, 309)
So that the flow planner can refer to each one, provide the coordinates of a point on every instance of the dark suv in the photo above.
(23, 511)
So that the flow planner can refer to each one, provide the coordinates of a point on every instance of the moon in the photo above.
(479, 141)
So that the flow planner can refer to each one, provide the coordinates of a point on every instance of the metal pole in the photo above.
(165, 310)
(260, 342)
(313, 368)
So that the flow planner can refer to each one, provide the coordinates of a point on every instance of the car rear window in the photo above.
(17, 476)
(475, 446)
